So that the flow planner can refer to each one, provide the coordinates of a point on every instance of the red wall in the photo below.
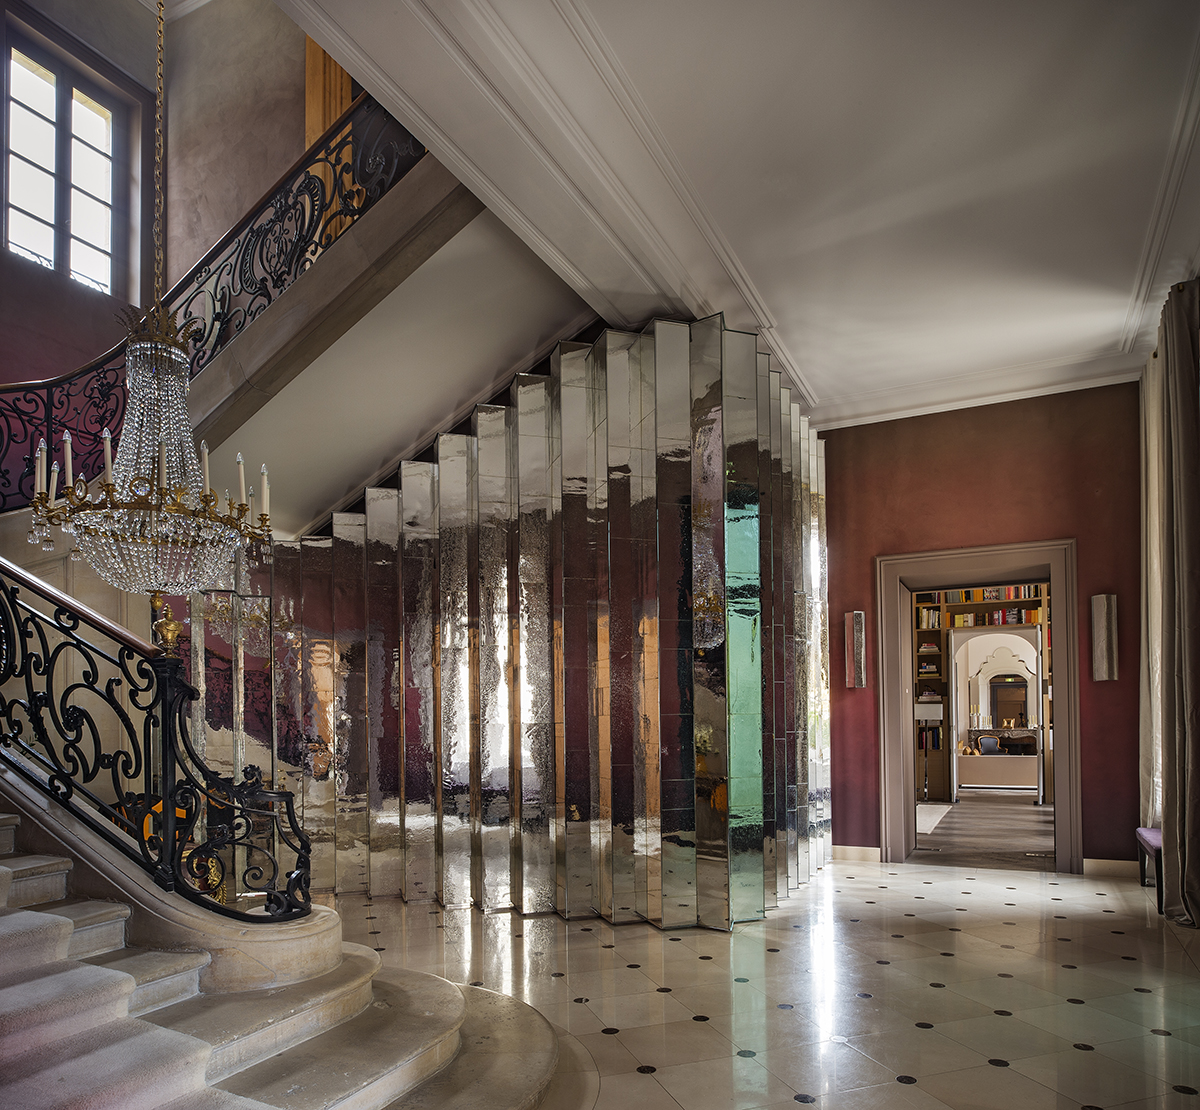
(1057, 467)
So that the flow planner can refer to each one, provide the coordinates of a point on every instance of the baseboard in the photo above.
(1121, 868)
(853, 853)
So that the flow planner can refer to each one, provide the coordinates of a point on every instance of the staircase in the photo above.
(87, 1021)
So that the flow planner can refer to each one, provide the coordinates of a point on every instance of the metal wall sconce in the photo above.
(856, 650)
(1104, 637)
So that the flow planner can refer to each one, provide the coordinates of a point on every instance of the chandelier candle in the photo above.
(106, 437)
(66, 442)
(204, 467)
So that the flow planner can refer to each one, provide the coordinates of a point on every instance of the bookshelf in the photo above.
(935, 613)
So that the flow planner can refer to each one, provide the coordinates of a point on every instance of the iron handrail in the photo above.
(98, 720)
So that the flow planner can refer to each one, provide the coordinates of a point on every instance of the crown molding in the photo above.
(1010, 384)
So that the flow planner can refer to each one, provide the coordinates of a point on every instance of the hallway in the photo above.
(990, 829)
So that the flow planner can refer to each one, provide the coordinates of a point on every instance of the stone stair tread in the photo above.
(84, 912)
(42, 1004)
(26, 866)
(122, 1065)
(221, 1019)
(508, 1057)
(407, 1033)
(9, 820)
(29, 938)
(148, 964)
(211, 1098)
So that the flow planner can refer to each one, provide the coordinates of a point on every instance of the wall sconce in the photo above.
(1104, 637)
(856, 650)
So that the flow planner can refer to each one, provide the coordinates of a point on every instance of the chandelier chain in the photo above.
(158, 155)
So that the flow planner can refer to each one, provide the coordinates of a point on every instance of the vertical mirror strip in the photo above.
(644, 630)
(775, 584)
(599, 720)
(672, 904)
(571, 584)
(744, 623)
(800, 572)
(533, 880)
(383, 688)
(708, 629)
(789, 871)
(492, 829)
(316, 568)
(614, 358)
(766, 428)
(286, 670)
(419, 594)
(351, 766)
(459, 666)
(823, 561)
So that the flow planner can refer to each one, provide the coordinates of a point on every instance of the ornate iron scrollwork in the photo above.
(341, 177)
(100, 723)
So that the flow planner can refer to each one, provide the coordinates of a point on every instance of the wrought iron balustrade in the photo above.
(98, 720)
(342, 176)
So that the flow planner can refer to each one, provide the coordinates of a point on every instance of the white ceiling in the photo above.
(917, 205)
(414, 365)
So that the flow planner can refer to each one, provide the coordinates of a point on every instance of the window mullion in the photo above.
(62, 175)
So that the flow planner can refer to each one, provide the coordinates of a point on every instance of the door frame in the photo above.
(897, 577)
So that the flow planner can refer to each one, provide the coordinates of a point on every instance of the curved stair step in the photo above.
(121, 1065)
(36, 879)
(249, 1026)
(28, 939)
(162, 978)
(99, 926)
(56, 1000)
(508, 1058)
(358, 1064)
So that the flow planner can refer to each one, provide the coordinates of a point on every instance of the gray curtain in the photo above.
(1171, 596)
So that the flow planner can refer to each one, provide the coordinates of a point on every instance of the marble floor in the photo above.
(876, 987)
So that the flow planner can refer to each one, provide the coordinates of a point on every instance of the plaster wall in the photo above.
(1054, 467)
(235, 118)
(122, 31)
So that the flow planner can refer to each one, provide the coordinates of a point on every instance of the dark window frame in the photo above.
(133, 146)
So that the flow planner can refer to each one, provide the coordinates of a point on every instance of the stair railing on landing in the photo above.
(333, 184)
(97, 719)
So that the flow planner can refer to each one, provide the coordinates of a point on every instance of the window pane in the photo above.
(30, 188)
(91, 221)
(91, 121)
(31, 238)
(90, 266)
(32, 84)
(91, 171)
(31, 135)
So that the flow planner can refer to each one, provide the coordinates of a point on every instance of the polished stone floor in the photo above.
(877, 986)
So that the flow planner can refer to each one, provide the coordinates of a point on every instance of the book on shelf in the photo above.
(992, 593)
(929, 739)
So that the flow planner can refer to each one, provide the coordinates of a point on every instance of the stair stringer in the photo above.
(244, 957)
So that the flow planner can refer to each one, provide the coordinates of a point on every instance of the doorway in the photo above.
(998, 809)
(899, 578)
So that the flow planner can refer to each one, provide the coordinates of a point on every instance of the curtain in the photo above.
(1170, 669)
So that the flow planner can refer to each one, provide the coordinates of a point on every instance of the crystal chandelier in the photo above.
(156, 526)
